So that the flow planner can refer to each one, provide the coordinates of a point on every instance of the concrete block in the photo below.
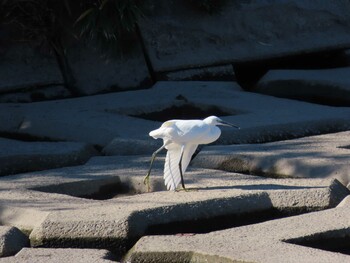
(105, 117)
(19, 156)
(177, 36)
(323, 156)
(43, 255)
(325, 86)
(11, 241)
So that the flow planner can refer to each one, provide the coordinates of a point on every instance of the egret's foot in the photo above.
(146, 182)
(191, 189)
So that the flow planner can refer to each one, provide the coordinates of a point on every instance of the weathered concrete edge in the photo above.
(134, 226)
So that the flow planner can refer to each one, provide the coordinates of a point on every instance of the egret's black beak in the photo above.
(224, 123)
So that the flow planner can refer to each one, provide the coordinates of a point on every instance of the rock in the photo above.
(36, 94)
(322, 156)
(177, 36)
(327, 86)
(58, 255)
(22, 66)
(11, 241)
(120, 146)
(345, 202)
(56, 219)
(19, 156)
(112, 74)
(292, 239)
(99, 119)
(224, 72)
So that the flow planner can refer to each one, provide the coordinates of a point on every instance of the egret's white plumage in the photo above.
(181, 138)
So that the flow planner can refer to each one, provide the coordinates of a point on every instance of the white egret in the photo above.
(181, 138)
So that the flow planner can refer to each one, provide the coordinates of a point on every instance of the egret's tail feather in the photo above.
(156, 133)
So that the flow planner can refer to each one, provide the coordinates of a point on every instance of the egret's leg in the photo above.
(180, 167)
(146, 179)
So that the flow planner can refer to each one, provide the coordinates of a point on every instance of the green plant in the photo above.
(45, 22)
(110, 23)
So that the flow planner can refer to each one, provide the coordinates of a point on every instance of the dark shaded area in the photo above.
(25, 137)
(110, 191)
(207, 225)
(317, 99)
(103, 189)
(204, 74)
(334, 241)
(112, 244)
(249, 73)
(186, 111)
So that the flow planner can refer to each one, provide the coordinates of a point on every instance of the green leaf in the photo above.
(103, 4)
(84, 15)
(67, 5)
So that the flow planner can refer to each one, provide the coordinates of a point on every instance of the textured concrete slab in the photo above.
(224, 72)
(329, 86)
(312, 157)
(30, 94)
(271, 241)
(124, 146)
(58, 220)
(19, 156)
(345, 202)
(99, 119)
(178, 36)
(22, 66)
(94, 73)
(44, 255)
(11, 241)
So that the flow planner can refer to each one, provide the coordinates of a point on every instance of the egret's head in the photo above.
(213, 120)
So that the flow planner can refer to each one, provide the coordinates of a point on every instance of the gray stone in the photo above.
(312, 157)
(36, 94)
(120, 146)
(107, 73)
(99, 119)
(59, 255)
(55, 219)
(19, 156)
(329, 86)
(22, 66)
(272, 241)
(177, 36)
(207, 73)
(11, 241)
(345, 202)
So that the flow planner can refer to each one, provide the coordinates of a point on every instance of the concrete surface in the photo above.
(11, 241)
(177, 36)
(322, 156)
(54, 219)
(96, 73)
(330, 86)
(36, 68)
(121, 146)
(45, 255)
(31, 94)
(19, 156)
(99, 119)
(224, 72)
(268, 242)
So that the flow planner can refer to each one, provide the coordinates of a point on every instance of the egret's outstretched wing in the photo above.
(188, 152)
(172, 177)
